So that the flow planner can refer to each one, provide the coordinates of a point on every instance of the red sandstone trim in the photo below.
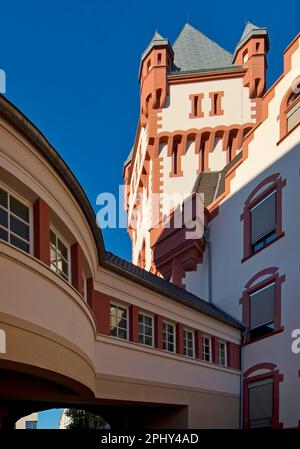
(41, 223)
(277, 378)
(77, 267)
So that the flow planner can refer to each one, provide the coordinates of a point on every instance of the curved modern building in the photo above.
(80, 327)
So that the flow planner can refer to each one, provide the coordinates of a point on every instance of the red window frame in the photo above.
(271, 372)
(262, 279)
(273, 183)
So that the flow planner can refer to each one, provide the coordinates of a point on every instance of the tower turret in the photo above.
(251, 52)
(156, 61)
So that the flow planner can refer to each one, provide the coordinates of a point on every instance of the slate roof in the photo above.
(193, 51)
(165, 287)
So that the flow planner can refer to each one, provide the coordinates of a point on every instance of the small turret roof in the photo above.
(251, 30)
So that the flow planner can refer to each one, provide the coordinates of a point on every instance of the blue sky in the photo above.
(72, 65)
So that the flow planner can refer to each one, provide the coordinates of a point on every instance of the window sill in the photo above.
(261, 249)
(276, 331)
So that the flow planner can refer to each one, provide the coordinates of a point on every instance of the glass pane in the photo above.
(141, 339)
(113, 310)
(19, 209)
(20, 228)
(141, 318)
(113, 331)
(3, 198)
(19, 243)
(65, 268)
(122, 313)
(3, 234)
(52, 238)
(63, 249)
(122, 334)
(113, 321)
(3, 218)
(148, 321)
(148, 330)
(52, 256)
(122, 323)
(148, 341)
(141, 329)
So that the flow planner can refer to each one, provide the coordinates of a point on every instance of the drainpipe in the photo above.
(241, 380)
(209, 264)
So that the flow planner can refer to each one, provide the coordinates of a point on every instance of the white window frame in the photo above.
(144, 335)
(58, 235)
(121, 306)
(193, 342)
(210, 349)
(27, 204)
(222, 342)
(174, 335)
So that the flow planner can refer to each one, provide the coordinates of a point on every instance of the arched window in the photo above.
(290, 109)
(261, 396)
(262, 215)
(261, 303)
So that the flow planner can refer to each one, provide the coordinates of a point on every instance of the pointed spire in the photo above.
(249, 31)
(194, 51)
(249, 28)
(157, 40)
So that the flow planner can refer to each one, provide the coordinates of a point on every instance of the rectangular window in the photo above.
(263, 222)
(168, 337)
(188, 343)
(30, 424)
(206, 348)
(145, 329)
(262, 311)
(261, 403)
(14, 221)
(118, 321)
(216, 103)
(222, 353)
(59, 256)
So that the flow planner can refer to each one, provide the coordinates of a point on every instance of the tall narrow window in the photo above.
(206, 348)
(188, 343)
(59, 255)
(262, 215)
(145, 329)
(168, 337)
(14, 221)
(196, 106)
(159, 59)
(175, 158)
(216, 103)
(262, 311)
(261, 403)
(222, 353)
(263, 222)
(119, 321)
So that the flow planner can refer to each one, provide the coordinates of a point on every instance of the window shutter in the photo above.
(262, 306)
(263, 218)
(261, 403)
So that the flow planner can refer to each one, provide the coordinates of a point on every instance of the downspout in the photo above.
(209, 251)
(209, 264)
(242, 380)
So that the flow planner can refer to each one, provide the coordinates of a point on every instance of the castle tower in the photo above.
(197, 103)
